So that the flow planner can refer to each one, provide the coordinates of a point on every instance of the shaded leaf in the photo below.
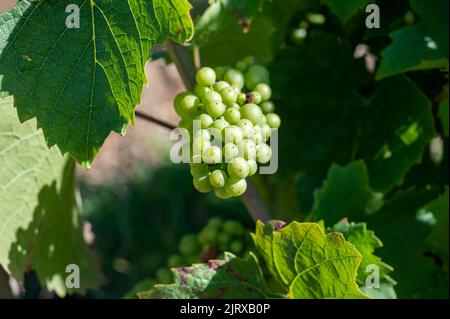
(344, 10)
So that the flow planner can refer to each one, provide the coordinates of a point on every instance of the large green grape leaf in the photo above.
(398, 126)
(39, 224)
(344, 10)
(81, 84)
(366, 242)
(346, 193)
(405, 244)
(438, 238)
(229, 278)
(420, 46)
(308, 263)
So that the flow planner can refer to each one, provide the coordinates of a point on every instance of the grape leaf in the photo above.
(366, 242)
(39, 223)
(346, 193)
(308, 263)
(81, 84)
(392, 144)
(229, 278)
(404, 236)
(344, 10)
(420, 46)
(438, 238)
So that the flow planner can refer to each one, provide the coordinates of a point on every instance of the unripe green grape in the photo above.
(218, 178)
(198, 169)
(185, 123)
(199, 145)
(238, 168)
(251, 112)
(249, 61)
(232, 115)
(174, 261)
(235, 78)
(257, 136)
(189, 104)
(264, 153)
(201, 90)
(273, 120)
(230, 151)
(246, 127)
(254, 97)
(247, 149)
(164, 275)
(220, 124)
(201, 183)
(215, 223)
(222, 193)
(229, 96)
(177, 104)
(203, 133)
(252, 167)
(232, 134)
(212, 97)
(236, 186)
(241, 66)
(264, 90)
(266, 130)
(220, 72)
(236, 246)
(267, 107)
(215, 109)
(207, 236)
(255, 75)
(233, 227)
(205, 120)
(220, 85)
(188, 245)
(212, 155)
(223, 238)
(241, 98)
(206, 76)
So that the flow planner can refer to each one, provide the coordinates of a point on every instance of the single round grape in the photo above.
(189, 104)
(238, 168)
(201, 183)
(264, 153)
(215, 222)
(212, 155)
(236, 246)
(246, 127)
(212, 97)
(232, 115)
(249, 61)
(255, 75)
(220, 85)
(218, 178)
(254, 97)
(266, 130)
(175, 261)
(230, 151)
(264, 90)
(232, 134)
(202, 133)
(205, 120)
(177, 104)
(241, 98)
(215, 109)
(251, 112)
(198, 169)
(185, 123)
(267, 107)
(164, 275)
(235, 78)
(222, 193)
(247, 149)
(220, 72)
(201, 90)
(273, 120)
(229, 96)
(188, 245)
(252, 167)
(208, 235)
(257, 136)
(236, 186)
(223, 238)
(241, 66)
(233, 227)
(206, 76)
(220, 124)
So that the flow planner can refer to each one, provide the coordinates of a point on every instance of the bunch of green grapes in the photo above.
(211, 242)
(235, 118)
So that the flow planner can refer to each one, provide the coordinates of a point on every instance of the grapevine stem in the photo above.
(251, 199)
(154, 120)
